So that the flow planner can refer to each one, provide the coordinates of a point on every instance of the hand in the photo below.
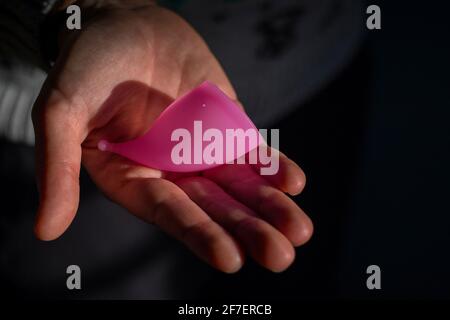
(111, 80)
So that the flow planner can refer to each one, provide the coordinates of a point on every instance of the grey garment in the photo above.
(276, 53)
(21, 73)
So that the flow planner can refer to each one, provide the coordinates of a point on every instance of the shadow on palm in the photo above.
(220, 214)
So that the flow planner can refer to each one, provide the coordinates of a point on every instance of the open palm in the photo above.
(111, 81)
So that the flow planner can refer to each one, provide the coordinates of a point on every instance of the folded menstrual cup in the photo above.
(198, 131)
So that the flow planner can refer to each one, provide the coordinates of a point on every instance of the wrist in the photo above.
(53, 31)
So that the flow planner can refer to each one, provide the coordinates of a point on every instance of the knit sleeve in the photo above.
(21, 66)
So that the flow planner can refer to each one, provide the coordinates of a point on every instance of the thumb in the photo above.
(59, 133)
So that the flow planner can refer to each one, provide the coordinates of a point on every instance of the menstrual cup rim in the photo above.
(205, 83)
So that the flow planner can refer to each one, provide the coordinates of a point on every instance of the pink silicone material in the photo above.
(206, 103)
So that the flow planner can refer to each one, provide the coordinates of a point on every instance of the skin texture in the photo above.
(111, 80)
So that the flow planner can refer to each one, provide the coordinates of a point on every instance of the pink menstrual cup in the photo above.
(180, 140)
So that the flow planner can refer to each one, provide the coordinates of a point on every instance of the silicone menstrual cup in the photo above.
(205, 107)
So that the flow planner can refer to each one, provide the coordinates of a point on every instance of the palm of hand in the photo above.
(114, 79)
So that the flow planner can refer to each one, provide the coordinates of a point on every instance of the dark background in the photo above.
(375, 146)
